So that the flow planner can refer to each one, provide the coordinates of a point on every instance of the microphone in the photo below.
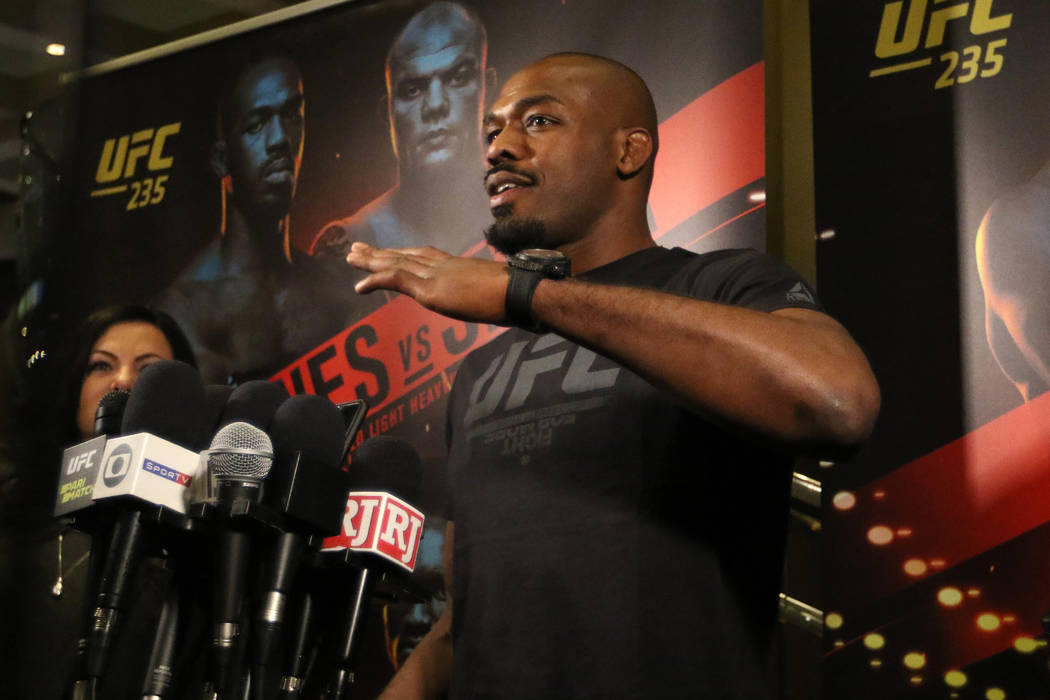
(216, 396)
(254, 402)
(381, 532)
(110, 412)
(240, 458)
(157, 682)
(150, 462)
(307, 433)
(298, 655)
(79, 467)
(76, 485)
(380, 519)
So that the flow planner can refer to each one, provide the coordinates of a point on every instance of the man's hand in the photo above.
(462, 288)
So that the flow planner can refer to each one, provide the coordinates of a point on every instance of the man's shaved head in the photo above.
(618, 87)
(434, 28)
(435, 90)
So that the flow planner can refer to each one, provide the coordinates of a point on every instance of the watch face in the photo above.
(551, 263)
(541, 254)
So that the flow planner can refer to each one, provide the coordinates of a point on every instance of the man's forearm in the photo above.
(426, 672)
(795, 375)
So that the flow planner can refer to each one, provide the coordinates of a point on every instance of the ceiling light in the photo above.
(56, 49)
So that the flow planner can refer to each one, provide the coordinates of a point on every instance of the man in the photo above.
(435, 79)
(250, 302)
(1013, 260)
(627, 467)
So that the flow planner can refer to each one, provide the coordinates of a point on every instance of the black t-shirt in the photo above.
(608, 543)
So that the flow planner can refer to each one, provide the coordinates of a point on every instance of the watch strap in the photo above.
(520, 288)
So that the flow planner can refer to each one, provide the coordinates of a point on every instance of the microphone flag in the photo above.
(379, 523)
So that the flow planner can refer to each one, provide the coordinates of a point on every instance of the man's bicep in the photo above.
(810, 316)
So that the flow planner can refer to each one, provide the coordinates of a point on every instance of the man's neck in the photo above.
(254, 244)
(610, 240)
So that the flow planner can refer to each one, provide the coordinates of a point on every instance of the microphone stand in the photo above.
(157, 683)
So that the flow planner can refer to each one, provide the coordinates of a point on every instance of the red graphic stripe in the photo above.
(710, 148)
(722, 225)
(992, 601)
(389, 353)
(967, 497)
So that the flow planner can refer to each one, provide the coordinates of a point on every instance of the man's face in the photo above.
(435, 102)
(551, 153)
(264, 137)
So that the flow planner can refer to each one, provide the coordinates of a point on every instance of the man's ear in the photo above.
(217, 159)
(636, 148)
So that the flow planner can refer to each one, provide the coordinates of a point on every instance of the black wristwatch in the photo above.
(527, 268)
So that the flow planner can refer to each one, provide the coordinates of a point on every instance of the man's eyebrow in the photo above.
(463, 62)
(264, 110)
(522, 104)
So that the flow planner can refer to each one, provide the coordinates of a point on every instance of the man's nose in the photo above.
(505, 145)
(435, 100)
(276, 133)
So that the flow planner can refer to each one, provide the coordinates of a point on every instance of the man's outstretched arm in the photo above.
(794, 375)
(426, 672)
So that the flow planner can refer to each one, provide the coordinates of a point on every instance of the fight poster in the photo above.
(932, 156)
(224, 183)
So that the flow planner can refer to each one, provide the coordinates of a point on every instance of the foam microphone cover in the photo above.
(309, 424)
(110, 412)
(307, 484)
(167, 401)
(215, 398)
(385, 463)
(254, 402)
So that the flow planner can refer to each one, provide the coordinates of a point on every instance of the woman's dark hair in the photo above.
(94, 326)
(100, 321)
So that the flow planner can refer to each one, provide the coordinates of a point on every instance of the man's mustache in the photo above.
(278, 162)
(508, 168)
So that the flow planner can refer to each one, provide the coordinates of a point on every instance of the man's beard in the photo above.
(509, 235)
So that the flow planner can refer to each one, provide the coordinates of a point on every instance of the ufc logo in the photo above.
(119, 161)
(888, 44)
(511, 377)
(81, 461)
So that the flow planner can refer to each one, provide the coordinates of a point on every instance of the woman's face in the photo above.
(115, 362)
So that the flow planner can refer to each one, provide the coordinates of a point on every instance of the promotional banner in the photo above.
(225, 183)
(933, 213)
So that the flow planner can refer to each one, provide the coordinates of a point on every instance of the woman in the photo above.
(115, 345)
(50, 572)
